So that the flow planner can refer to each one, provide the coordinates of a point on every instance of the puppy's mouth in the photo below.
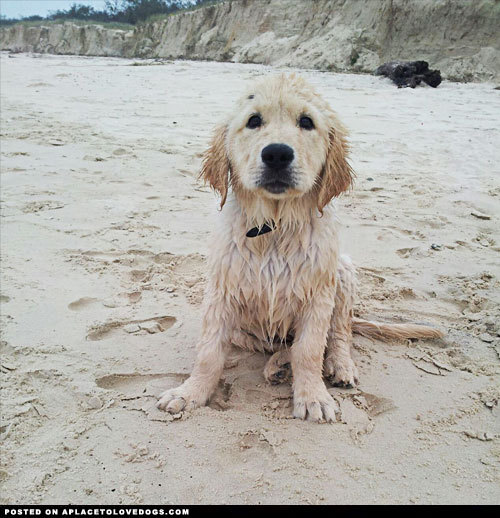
(277, 181)
(276, 186)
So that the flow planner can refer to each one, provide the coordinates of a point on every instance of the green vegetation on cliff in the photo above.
(119, 14)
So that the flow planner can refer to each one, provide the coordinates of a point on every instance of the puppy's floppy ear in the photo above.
(337, 175)
(215, 168)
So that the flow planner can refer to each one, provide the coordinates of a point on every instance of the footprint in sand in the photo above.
(82, 303)
(140, 384)
(143, 269)
(38, 85)
(139, 392)
(406, 252)
(39, 206)
(149, 326)
(122, 299)
(18, 153)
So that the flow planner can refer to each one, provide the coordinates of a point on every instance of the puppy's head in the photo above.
(282, 141)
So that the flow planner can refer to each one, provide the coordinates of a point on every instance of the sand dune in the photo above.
(104, 236)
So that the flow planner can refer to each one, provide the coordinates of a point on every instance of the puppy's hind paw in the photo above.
(341, 373)
(278, 369)
(281, 374)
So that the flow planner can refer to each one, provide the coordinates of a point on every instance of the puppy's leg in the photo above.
(246, 341)
(339, 368)
(311, 399)
(278, 368)
(218, 325)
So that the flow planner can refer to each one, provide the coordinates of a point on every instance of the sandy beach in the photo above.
(104, 234)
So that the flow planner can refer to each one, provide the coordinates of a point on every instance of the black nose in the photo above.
(277, 156)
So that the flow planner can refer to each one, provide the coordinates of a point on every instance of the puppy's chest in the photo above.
(271, 286)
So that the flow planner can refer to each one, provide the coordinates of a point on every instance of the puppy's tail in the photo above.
(384, 331)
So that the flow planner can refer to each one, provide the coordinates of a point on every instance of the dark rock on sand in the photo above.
(409, 73)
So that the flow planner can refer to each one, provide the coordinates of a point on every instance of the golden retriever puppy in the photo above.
(276, 281)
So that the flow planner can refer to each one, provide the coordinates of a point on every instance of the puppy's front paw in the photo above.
(341, 372)
(315, 405)
(180, 398)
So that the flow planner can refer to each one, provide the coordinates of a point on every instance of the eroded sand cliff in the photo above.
(460, 37)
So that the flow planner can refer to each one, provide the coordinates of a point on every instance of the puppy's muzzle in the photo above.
(277, 173)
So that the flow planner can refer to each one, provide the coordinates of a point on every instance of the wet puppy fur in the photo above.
(279, 159)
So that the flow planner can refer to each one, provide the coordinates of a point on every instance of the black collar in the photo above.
(258, 231)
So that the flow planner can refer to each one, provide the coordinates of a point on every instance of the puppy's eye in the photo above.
(306, 123)
(254, 121)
